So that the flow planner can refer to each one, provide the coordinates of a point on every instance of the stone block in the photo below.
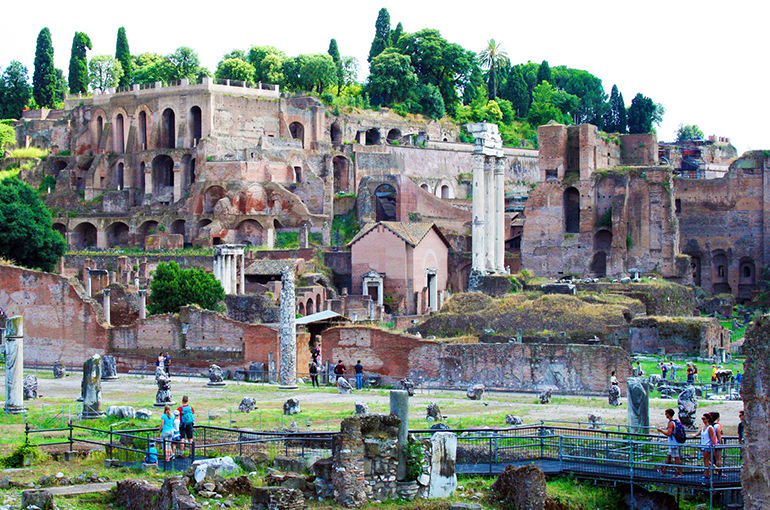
(523, 487)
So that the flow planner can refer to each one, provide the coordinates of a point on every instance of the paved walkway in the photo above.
(70, 490)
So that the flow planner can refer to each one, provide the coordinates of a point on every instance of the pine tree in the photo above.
(14, 91)
(123, 55)
(335, 53)
(615, 120)
(381, 34)
(78, 75)
(44, 77)
(544, 73)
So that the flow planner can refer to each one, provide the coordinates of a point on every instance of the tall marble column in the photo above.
(288, 368)
(243, 274)
(14, 365)
(477, 229)
(106, 305)
(500, 227)
(489, 211)
(142, 303)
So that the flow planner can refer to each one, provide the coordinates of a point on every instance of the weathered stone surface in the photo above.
(755, 475)
(143, 414)
(343, 386)
(141, 495)
(646, 500)
(211, 467)
(362, 408)
(512, 420)
(163, 397)
(236, 486)
(595, 420)
(289, 464)
(127, 412)
(288, 365)
(291, 406)
(522, 487)
(443, 477)
(688, 407)
(638, 406)
(545, 396)
(407, 385)
(433, 412)
(613, 395)
(43, 500)
(216, 378)
(109, 368)
(348, 471)
(323, 468)
(558, 288)
(14, 365)
(440, 426)
(174, 494)
(476, 392)
(30, 387)
(58, 370)
(247, 405)
(91, 387)
(277, 498)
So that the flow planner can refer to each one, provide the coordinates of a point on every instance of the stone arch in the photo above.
(249, 232)
(162, 175)
(147, 228)
(318, 303)
(747, 274)
(297, 131)
(444, 189)
(99, 127)
(720, 272)
(188, 176)
(385, 197)
(695, 267)
(57, 167)
(603, 240)
(571, 211)
(178, 227)
(213, 195)
(117, 234)
(341, 174)
(425, 187)
(394, 135)
(196, 125)
(119, 177)
(142, 130)
(301, 308)
(60, 228)
(119, 134)
(373, 136)
(168, 129)
(84, 235)
(336, 134)
(310, 309)
(599, 263)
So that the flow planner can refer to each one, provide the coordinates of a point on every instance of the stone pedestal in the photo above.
(14, 365)
(288, 367)
(109, 369)
(215, 377)
(91, 388)
(443, 478)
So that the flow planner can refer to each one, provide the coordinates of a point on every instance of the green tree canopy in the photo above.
(123, 55)
(7, 137)
(235, 69)
(381, 34)
(15, 91)
(150, 67)
(184, 64)
(493, 58)
(173, 287)
(61, 87)
(514, 89)
(543, 73)
(391, 78)
(268, 64)
(615, 120)
(334, 52)
(549, 103)
(689, 132)
(643, 113)
(44, 76)
(310, 72)
(396, 34)
(78, 74)
(27, 236)
(104, 72)
(587, 87)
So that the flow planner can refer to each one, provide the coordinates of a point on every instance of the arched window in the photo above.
(120, 146)
(99, 129)
(373, 136)
(168, 129)
(385, 198)
(336, 134)
(196, 125)
(119, 176)
(394, 135)
(142, 131)
(341, 175)
(162, 176)
(297, 131)
(572, 211)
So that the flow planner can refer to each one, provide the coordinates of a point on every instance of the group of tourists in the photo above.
(164, 361)
(176, 432)
(710, 436)
(339, 369)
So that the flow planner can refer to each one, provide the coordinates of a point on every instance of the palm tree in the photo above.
(493, 57)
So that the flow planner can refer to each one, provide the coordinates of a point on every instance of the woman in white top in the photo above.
(708, 438)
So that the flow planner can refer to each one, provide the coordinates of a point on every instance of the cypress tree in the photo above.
(543, 73)
(398, 32)
(614, 120)
(335, 53)
(14, 91)
(78, 76)
(515, 91)
(123, 55)
(44, 77)
(381, 34)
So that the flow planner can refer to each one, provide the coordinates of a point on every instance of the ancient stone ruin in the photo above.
(523, 487)
(613, 395)
(91, 388)
(109, 368)
(247, 405)
(475, 392)
(688, 407)
(216, 379)
(30, 387)
(14, 365)
(545, 396)
(163, 396)
(638, 406)
(288, 330)
(58, 370)
(291, 406)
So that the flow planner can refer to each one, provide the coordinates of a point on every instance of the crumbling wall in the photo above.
(678, 334)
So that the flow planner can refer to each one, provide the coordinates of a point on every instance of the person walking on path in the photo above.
(166, 432)
(708, 439)
(673, 444)
(187, 421)
(167, 364)
(672, 369)
(314, 374)
(359, 368)
(690, 374)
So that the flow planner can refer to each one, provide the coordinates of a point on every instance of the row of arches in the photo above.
(148, 137)
(441, 190)
(721, 274)
(310, 305)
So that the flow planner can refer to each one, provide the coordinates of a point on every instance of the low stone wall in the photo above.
(141, 495)
(678, 334)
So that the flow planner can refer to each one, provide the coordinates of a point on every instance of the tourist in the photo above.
(714, 385)
(638, 372)
(314, 374)
(151, 456)
(695, 372)
(690, 374)
(160, 361)
(717, 451)
(741, 428)
(177, 437)
(663, 370)
(613, 379)
(167, 364)
(708, 439)
(339, 369)
(166, 432)
(673, 444)
(187, 421)
(738, 380)
(316, 355)
(672, 369)
(359, 369)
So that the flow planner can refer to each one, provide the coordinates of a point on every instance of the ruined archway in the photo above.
(394, 135)
(446, 191)
(720, 273)
(301, 309)
(572, 211)
(57, 167)
(310, 308)
(168, 129)
(297, 131)
(119, 176)
(147, 228)
(163, 177)
(385, 203)
(336, 134)
(603, 240)
(117, 234)
(99, 130)
(119, 137)
(178, 227)
(60, 228)
(425, 187)
(84, 236)
(341, 174)
(249, 232)
(599, 264)
(196, 125)
(213, 195)
(142, 125)
(373, 136)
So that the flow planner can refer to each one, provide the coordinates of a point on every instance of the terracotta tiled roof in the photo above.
(267, 267)
(411, 232)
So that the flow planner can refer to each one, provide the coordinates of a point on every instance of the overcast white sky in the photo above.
(706, 61)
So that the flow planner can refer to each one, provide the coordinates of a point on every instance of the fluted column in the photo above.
(500, 227)
(106, 305)
(142, 303)
(477, 228)
(489, 209)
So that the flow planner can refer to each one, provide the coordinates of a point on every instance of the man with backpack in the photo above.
(186, 422)
(676, 437)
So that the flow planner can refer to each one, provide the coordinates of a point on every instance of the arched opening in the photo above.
(747, 279)
(60, 228)
(242, 202)
(373, 136)
(603, 240)
(117, 234)
(196, 125)
(119, 176)
(385, 197)
(142, 131)
(445, 191)
(99, 130)
(572, 211)
(720, 273)
(394, 135)
(318, 303)
(119, 138)
(178, 227)
(186, 177)
(425, 187)
(301, 309)
(336, 133)
(249, 232)
(695, 268)
(341, 174)
(310, 307)
(57, 167)
(147, 228)
(168, 129)
(201, 226)
(84, 236)
(297, 131)
(599, 264)
(213, 195)
(163, 178)
(297, 174)
(192, 171)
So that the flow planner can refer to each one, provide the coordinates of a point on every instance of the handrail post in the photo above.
(70, 426)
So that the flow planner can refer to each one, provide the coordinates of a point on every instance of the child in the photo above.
(176, 438)
(152, 454)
